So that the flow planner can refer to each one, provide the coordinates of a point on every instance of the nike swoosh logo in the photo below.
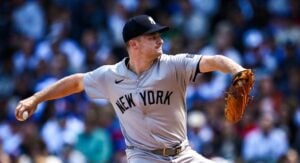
(118, 81)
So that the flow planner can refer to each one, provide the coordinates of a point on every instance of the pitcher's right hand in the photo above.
(29, 104)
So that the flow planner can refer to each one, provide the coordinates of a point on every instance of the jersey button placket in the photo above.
(137, 86)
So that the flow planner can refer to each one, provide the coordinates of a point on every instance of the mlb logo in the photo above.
(151, 20)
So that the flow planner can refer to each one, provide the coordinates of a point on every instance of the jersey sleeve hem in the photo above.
(197, 69)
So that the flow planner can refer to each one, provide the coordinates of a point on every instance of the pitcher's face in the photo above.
(151, 45)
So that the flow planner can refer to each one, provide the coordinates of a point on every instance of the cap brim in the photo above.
(159, 29)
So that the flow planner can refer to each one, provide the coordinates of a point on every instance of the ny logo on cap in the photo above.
(151, 20)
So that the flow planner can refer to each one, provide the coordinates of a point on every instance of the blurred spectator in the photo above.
(63, 129)
(222, 44)
(11, 139)
(255, 56)
(33, 148)
(286, 79)
(193, 24)
(58, 42)
(271, 99)
(28, 18)
(247, 123)
(116, 21)
(97, 53)
(229, 143)
(200, 133)
(24, 59)
(71, 155)
(266, 143)
(94, 142)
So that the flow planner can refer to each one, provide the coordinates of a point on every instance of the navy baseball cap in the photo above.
(140, 25)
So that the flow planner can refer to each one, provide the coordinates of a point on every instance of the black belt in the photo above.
(165, 151)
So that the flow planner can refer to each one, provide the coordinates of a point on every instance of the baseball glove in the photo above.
(237, 97)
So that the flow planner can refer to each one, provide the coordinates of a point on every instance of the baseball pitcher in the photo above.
(147, 90)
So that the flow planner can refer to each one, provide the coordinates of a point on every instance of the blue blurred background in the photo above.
(42, 41)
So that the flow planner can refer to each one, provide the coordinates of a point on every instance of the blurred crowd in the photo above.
(42, 41)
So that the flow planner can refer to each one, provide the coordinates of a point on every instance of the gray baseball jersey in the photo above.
(151, 107)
